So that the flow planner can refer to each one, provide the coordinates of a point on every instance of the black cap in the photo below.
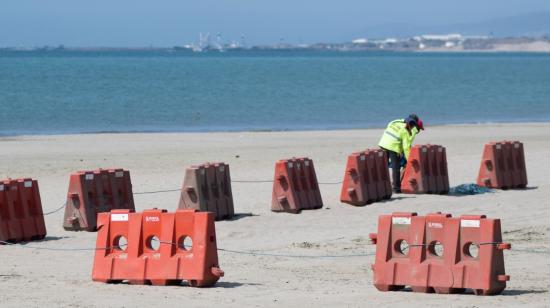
(414, 116)
(411, 121)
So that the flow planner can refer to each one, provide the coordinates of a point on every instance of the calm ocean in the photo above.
(75, 92)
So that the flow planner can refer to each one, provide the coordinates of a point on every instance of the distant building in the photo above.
(450, 44)
(360, 41)
(441, 37)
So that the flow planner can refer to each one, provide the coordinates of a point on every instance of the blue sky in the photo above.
(172, 22)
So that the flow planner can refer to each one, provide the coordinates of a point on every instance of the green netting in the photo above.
(469, 189)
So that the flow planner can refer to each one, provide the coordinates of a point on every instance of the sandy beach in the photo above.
(32, 277)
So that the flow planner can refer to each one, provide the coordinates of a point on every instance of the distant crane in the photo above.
(205, 43)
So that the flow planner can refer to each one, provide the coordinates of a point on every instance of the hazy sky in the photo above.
(176, 22)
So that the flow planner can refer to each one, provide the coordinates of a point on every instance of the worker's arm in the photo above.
(406, 140)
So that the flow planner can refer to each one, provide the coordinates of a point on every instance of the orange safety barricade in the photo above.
(157, 247)
(93, 192)
(426, 171)
(355, 185)
(441, 157)
(21, 216)
(366, 178)
(383, 175)
(393, 265)
(295, 186)
(439, 253)
(503, 165)
(207, 187)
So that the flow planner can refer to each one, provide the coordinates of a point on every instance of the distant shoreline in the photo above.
(6, 137)
(486, 45)
(513, 49)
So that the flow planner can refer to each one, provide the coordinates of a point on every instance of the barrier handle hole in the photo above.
(185, 243)
(402, 247)
(153, 243)
(435, 248)
(120, 243)
(471, 250)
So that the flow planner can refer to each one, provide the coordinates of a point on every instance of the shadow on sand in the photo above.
(512, 292)
(238, 216)
(231, 284)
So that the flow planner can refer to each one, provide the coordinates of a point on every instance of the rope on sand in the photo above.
(253, 253)
(56, 210)
(232, 181)
(244, 252)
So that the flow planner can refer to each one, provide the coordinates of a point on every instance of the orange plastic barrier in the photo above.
(21, 216)
(207, 187)
(426, 171)
(366, 179)
(295, 186)
(503, 165)
(157, 247)
(439, 253)
(93, 192)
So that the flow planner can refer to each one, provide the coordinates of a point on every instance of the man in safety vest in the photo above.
(397, 141)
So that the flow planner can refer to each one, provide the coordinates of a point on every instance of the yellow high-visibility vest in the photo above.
(397, 138)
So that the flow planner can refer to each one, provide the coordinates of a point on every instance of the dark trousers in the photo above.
(395, 168)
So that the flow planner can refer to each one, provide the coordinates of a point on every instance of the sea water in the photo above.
(60, 92)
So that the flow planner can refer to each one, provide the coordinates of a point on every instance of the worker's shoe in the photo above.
(397, 190)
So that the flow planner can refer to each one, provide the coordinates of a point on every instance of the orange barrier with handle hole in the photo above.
(439, 253)
(157, 247)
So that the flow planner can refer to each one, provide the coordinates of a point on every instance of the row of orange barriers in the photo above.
(439, 253)
(207, 187)
(502, 167)
(367, 179)
(432, 253)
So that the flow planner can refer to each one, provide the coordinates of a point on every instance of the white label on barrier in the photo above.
(469, 223)
(401, 220)
(516, 145)
(440, 150)
(362, 157)
(222, 168)
(498, 146)
(27, 184)
(119, 217)
(2, 187)
(203, 171)
(424, 150)
(307, 163)
(119, 174)
(436, 225)
(152, 219)
(89, 176)
(380, 154)
(290, 165)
